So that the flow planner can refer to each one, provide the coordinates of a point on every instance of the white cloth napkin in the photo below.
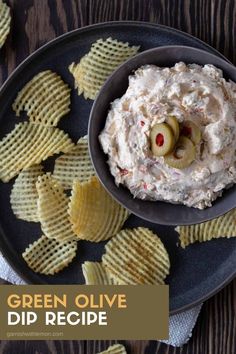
(8, 274)
(180, 325)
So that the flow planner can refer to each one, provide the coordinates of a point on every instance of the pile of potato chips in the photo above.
(132, 256)
(89, 213)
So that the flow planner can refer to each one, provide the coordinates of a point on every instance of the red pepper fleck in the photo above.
(159, 139)
(145, 185)
(186, 131)
(123, 171)
(142, 123)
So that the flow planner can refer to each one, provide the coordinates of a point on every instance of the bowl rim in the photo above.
(223, 60)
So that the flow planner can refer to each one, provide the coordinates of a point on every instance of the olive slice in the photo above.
(174, 124)
(191, 131)
(162, 139)
(183, 154)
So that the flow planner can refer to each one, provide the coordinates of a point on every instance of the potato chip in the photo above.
(136, 256)
(5, 21)
(75, 164)
(45, 98)
(223, 226)
(94, 214)
(28, 144)
(53, 209)
(95, 67)
(115, 349)
(95, 274)
(24, 194)
(49, 256)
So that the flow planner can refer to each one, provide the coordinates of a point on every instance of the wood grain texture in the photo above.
(214, 21)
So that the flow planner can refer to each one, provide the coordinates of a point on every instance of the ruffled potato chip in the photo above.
(223, 226)
(115, 349)
(95, 274)
(53, 209)
(95, 67)
(94, 214)
(5, 22)
(49, 256)
(136, 256)
(24, 194)
(75, 164)
(29, 144)
(45, 98)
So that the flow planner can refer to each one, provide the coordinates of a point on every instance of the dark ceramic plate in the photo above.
(196, 273)
(115, 86)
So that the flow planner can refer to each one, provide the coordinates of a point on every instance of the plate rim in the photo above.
(98, 25)
(7, 250)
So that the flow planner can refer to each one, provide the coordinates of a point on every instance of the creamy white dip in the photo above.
(188, 92)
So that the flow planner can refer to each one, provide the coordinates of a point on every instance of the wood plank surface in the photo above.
(214, 21)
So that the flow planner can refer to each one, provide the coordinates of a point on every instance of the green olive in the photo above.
(191, 131)
(183, 154)
(174, 124)
(162, 139)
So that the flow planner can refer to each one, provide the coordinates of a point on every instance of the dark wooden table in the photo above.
(214, 21)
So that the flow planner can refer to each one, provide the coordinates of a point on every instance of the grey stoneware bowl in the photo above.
(154, 211)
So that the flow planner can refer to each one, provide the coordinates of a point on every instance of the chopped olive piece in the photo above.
(174, 124)
(183, 154)
(162, 139)
(191, 131)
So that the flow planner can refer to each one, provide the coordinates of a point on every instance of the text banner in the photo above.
(84, 312)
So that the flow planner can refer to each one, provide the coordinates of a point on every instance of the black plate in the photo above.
(197, 272)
